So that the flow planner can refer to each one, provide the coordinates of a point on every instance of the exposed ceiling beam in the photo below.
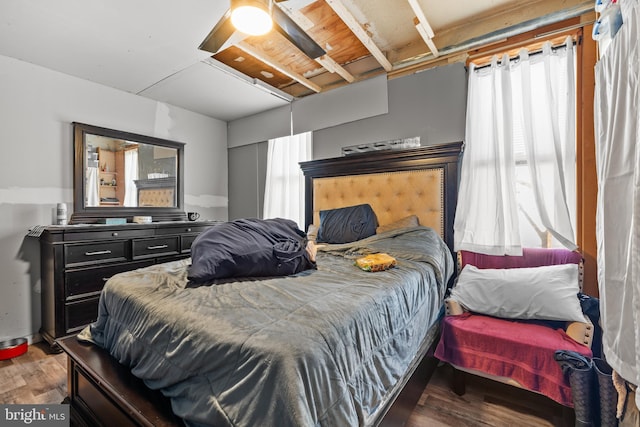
(490, 22)
(417, 10)
(424, 33)
(325, 60)
(423, 26)
(244, 46)
(540, 11)
(582, 12)
(333, 67)
(297, 16)
(351, 22)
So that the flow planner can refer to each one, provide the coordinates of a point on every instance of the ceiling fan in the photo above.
(227, 30)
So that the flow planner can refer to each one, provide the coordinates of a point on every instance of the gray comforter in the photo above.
(323, 347)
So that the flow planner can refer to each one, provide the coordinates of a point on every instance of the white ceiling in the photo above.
(146, 47)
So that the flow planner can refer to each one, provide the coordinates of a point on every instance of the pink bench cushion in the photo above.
(531, 257)
(507, 348)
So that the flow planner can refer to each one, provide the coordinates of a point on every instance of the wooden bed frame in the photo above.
(99, 388)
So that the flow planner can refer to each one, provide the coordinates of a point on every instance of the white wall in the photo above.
(37, 107)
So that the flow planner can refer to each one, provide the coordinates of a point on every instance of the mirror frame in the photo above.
(90, 215)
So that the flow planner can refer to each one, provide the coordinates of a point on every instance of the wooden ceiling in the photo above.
(365, 38)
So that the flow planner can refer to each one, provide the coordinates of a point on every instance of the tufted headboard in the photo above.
(396, 183)
(392, 195)
(156, 197)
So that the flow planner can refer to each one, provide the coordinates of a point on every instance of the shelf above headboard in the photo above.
(396, 183)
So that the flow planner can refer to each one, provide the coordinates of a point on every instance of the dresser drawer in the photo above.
(157, 246)
(107, 234)
(88, 280)
(80, 313)
(186, 242)
(182, 228)
(94, 253)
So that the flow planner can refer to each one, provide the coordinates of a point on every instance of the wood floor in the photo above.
(38, 377)
(35, 377)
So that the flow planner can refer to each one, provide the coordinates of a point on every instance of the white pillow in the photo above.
(545, 293)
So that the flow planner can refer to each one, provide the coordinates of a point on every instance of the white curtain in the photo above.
(130, 175)
(616, 112)
(284, 186)
(519, 113)
(548, 101)
(93, 187)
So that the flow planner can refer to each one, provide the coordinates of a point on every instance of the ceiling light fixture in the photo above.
(252, 17)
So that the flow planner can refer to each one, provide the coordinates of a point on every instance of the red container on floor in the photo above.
(13, 348)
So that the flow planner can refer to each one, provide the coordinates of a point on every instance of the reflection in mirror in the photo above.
(120, 174)
(130, 174)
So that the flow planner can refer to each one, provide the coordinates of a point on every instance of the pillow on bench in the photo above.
(546, 293)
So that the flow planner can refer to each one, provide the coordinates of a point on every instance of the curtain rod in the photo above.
(517, 57)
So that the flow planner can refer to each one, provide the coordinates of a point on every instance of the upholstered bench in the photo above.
(516, 351)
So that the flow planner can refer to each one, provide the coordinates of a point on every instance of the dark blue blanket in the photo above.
(249, 248)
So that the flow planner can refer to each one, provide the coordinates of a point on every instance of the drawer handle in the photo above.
(157, 247)
(106, 252)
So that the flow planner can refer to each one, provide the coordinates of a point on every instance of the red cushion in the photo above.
(509, 348)
(531, 257)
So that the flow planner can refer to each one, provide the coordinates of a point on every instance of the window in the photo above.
(284, 186)
(518, 172)
(533, 233)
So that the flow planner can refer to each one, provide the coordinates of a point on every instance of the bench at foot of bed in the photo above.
(100, 389)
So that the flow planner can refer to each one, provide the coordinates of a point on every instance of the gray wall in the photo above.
(37, 107)
(430, 104)
(356, 101)
(247, 172)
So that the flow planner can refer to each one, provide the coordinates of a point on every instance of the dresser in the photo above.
(77, 260)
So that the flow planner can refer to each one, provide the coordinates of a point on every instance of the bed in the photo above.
(329, 346)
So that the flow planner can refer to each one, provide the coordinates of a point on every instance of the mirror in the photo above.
(119, 174)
